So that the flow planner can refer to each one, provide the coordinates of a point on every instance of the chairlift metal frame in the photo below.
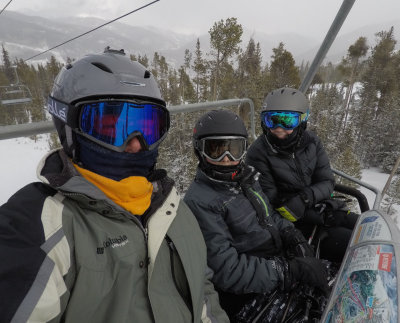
(14, 94)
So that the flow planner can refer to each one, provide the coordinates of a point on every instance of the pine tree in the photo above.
(174, 97)
(185, 84)
(186, 89)
(225, 37)
(249, 78)
(393, 197)
(375, 115)
(143, 60)
(7, 68)
(350, 69)
(160, 72)
(200, 80)
(283, 71)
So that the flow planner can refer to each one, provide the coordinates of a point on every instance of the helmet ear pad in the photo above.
(67, 137)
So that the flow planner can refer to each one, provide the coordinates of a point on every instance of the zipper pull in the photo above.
(146, 233)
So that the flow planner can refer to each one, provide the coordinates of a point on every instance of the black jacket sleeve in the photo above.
(21, 237)
(233, 272)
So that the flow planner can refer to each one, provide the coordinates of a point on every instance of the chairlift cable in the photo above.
(5, 6)
(85, 33)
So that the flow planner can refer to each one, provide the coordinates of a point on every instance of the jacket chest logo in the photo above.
(120, 241)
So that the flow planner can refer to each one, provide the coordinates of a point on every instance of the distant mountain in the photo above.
(24, 36)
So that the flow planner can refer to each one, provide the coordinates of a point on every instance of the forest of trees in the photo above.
(355, 104)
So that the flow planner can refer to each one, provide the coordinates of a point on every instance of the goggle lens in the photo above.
(216, 149)
(285, 119)
(112, 122)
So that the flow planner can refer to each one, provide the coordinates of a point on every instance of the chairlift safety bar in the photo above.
(30, 129)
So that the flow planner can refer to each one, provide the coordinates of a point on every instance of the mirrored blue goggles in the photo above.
(287, 120)
(113, 123)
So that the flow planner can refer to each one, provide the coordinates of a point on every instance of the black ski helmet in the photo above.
(218, 123)
(285, 99)
(108, 75)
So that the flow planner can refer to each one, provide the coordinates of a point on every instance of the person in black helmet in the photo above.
(104, 237)
(251, 248)
(296, 174)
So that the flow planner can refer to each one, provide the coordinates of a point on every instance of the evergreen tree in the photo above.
(185, 84)
(375, 115)
(7, 68)
(225, 37)
(393, 197)
(283, 71)
(174, 97)
(350, 69)
(249, 78)
(186, 90)
(200, 69)
(160, 72)
(143, 60)
(249, 70)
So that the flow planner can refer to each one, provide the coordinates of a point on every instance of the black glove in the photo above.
(309, 271)
(314, 216)
(246, 177)
(333, 211)
(294, 243)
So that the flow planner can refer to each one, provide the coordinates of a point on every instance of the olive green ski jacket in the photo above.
(72, 255)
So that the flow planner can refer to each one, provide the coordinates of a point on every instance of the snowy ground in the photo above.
(19, 158)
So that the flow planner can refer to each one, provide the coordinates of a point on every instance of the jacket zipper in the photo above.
(298, 169)
(171, 255)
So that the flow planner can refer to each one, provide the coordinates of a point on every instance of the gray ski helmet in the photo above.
(110, 74)
(286, 99)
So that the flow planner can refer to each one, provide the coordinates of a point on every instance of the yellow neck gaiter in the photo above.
(132, 193)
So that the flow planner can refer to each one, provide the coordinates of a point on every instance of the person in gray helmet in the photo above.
(104, 237)
(296, 174)
(250, 247)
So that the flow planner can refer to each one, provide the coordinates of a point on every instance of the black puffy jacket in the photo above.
(236, 242)
(285, 174)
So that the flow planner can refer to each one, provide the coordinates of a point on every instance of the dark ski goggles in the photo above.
(216, 148)
(113, 123)
(287, 120)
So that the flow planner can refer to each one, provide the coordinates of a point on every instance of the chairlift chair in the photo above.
(15, 93)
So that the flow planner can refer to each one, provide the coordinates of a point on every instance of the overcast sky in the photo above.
(312, 17)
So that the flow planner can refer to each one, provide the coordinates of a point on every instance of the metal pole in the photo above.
(326, 44)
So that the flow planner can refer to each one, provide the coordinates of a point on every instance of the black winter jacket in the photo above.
(234, 236)
(285, 174)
